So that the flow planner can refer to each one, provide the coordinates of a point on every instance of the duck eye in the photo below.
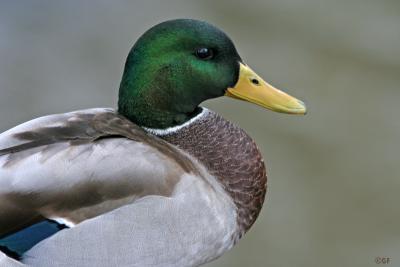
(204, 53)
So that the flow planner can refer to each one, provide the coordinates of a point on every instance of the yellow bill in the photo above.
(250, 87)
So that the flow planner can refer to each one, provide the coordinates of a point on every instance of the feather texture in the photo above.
(196, 224)
(136, 199)
(79, 165)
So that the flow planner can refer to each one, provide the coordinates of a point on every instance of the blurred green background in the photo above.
(334, 183)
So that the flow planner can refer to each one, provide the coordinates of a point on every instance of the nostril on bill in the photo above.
(255, 81)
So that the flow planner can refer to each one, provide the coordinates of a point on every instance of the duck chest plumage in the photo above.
(230, 155)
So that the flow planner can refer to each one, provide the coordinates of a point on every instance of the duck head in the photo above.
(178, 64)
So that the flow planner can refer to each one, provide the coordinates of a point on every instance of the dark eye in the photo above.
(204, 53)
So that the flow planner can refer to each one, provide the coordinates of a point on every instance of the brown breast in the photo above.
(230, 155)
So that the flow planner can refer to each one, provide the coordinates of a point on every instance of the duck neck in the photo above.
(230, 155)
(142, 101)
(147, 108)
(141, 114)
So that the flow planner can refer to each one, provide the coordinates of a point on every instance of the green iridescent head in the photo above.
(172, 68)
(178, 64)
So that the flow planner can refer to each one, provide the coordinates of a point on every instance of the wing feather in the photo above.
(81, 164)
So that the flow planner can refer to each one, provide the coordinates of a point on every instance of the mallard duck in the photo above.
(160, 181)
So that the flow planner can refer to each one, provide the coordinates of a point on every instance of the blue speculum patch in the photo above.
(16, 244)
